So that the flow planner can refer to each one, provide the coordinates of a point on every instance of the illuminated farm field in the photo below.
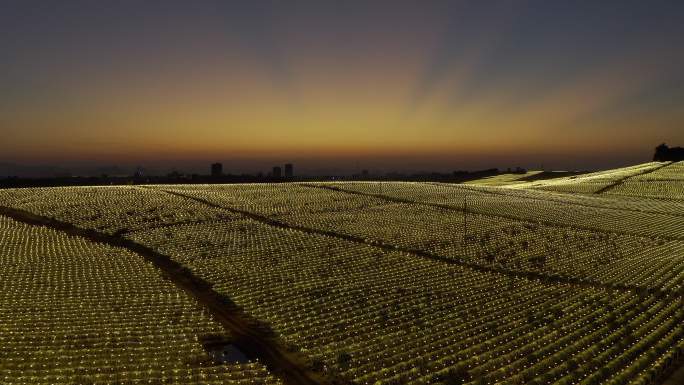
(571, 280)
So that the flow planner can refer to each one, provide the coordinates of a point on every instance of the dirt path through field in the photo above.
(556, 279)
(252, 337)
(453, 260)
(510, 192)
(545, 222)
(623, 180)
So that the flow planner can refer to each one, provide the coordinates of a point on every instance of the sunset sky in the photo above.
(388, 85)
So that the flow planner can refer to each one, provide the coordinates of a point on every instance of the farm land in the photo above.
(570, 280)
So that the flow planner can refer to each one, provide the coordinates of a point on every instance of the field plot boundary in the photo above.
(507, 191)
(470, 211)
(251, 336)
(623, 180)
(529, 275)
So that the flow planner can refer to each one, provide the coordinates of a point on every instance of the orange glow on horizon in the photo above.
(325, 87)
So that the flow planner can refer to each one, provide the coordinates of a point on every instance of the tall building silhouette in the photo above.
(289, 170)
(216, 169)
(277, 172)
